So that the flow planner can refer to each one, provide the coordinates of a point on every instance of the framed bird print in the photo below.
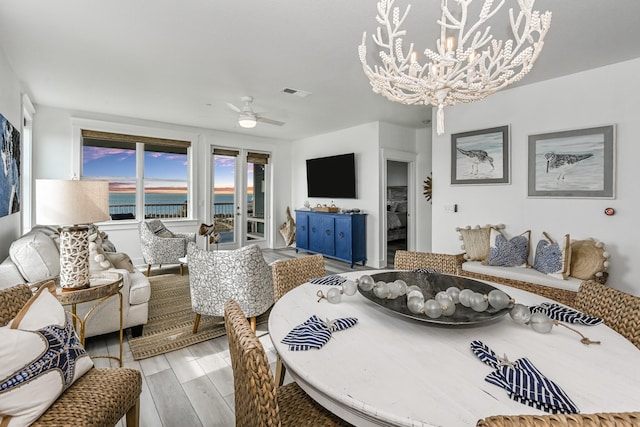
(576, 163)
(480, 156)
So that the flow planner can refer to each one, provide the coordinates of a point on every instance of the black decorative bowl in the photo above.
(431, 284)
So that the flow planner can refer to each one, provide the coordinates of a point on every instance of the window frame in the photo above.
(141, 132)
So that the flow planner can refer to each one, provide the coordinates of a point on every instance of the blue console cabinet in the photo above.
(334, 235)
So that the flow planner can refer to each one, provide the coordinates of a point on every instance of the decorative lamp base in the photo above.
(74, 257)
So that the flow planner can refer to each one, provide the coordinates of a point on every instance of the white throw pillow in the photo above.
(41, 357)
(36, 256)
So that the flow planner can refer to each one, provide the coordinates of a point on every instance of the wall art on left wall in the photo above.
(11, 169)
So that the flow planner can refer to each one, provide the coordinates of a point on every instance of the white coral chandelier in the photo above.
(467, 65)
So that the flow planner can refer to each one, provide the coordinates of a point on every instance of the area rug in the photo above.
(170, 324)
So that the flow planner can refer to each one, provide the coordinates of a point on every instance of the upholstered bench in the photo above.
(556, 271)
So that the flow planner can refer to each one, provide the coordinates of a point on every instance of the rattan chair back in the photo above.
(625, 419)
(258, 401)
(11, 301)
(255, 389)
(620, 311)
(287, 274)
(411, 260)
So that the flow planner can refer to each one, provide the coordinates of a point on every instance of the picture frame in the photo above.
(573, 164)
(480, 156)
(10, 191)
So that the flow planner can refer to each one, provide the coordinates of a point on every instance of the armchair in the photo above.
(161, 246)
(217, 277)
(102, 396)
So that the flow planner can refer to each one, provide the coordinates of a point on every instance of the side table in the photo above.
(102, 287)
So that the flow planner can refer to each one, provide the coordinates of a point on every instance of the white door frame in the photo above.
(411, 159)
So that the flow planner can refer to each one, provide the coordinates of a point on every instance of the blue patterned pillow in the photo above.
(553, 258)
(508, 253)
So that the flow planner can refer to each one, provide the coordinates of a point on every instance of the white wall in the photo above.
(603, 96)
(369, 142)
(11, 109)
(424, 208)
(53, 148)
(361, 140)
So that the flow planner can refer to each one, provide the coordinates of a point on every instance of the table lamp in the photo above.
(72, 204)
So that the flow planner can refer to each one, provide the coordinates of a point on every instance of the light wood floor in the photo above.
(192, 386)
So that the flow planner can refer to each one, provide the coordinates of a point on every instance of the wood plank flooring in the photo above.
(192, 386)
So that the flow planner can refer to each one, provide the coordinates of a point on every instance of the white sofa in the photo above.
(35, 257)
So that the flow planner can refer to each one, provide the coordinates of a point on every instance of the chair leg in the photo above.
(148, 269)
(252, 320)
(133, 414)
(181, 270)
(196, 323)
(280, 371)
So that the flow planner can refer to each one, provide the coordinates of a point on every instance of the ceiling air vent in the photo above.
(296, 92)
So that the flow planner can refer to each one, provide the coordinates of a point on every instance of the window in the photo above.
(147, 176)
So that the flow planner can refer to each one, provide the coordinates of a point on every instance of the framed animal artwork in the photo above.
(480, 156)
(575, 163)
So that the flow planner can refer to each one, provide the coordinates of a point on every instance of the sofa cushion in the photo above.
(36, 256)
(588, 259)
(522, 274)
(553, 257)
(475, 241)
(9, 274)
(121, 260)
(41, 357)
(505, 252)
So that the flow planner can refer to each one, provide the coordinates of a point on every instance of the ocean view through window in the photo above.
(164, 174)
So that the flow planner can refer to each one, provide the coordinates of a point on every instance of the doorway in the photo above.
(397, 203)
(240, 183)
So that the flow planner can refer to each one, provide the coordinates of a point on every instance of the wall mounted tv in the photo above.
(332, 177)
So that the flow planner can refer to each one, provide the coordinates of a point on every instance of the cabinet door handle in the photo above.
(327, 232)
(313, 229)
(341, 234)
(303, 228)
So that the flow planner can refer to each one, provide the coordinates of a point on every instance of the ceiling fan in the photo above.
(247, 118)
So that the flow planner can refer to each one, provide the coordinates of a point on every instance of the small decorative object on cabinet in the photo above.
(334, 235)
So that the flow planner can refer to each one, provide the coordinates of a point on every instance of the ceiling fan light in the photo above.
(247, 121)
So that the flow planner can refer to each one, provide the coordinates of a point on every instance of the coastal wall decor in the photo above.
(11, 170)
(480, 156)
(576, 163)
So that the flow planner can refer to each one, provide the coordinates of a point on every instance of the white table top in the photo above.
(391, 370)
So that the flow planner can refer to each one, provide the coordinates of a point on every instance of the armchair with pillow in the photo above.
(35, 257)
(49, 378)
(161, 246)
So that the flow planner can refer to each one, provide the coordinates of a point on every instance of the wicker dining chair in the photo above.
(288, 274)
(101, 397)
(620, 311)
(444, 263)
(624, 419)
(258, 402)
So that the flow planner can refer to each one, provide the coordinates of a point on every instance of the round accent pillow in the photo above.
(588, 259)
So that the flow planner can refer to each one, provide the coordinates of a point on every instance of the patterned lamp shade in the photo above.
(72, 204)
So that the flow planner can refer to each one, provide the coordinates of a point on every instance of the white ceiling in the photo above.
(182, 61)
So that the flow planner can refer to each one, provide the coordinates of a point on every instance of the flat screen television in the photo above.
(332, 177)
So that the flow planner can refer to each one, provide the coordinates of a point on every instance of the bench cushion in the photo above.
(523, 274)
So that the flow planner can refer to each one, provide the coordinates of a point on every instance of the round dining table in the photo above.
(391, 369)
